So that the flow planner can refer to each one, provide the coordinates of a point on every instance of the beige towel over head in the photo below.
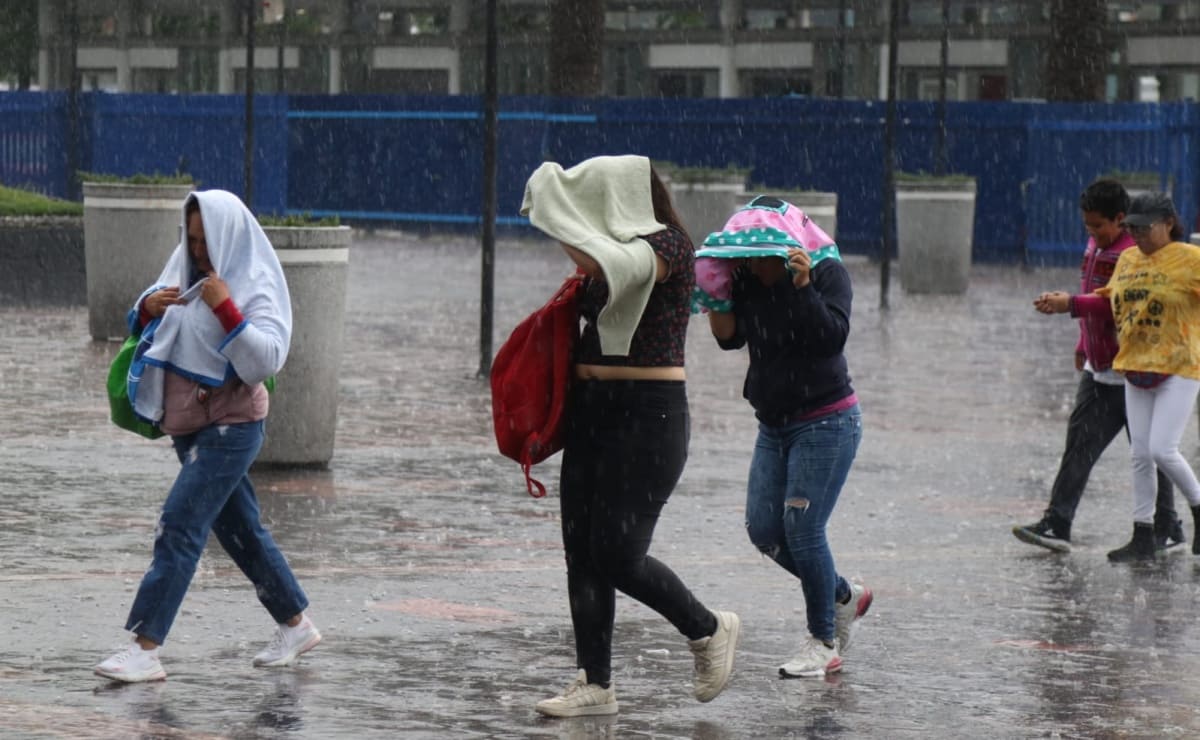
(601, 206)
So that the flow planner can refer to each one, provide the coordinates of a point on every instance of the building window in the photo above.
(1127, 11)
(413, 22)
(198, 70)
(968, 12)
(767, 83)
(686, 83)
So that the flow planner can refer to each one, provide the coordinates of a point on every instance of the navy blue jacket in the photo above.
(795, 337)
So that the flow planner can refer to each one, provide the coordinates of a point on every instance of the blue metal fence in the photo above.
(417, 159)
(33, 141)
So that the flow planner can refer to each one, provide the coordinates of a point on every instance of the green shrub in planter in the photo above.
(16, 202)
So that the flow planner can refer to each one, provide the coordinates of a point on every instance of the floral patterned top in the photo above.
(659, 338)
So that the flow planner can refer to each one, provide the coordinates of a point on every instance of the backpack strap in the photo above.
(531, 483)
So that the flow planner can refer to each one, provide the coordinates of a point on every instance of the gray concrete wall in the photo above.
(303, 415)
(935, 224)
(41, 261)
(705, 208)
(129, 232)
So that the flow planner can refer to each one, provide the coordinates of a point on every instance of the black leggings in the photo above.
(625, 449)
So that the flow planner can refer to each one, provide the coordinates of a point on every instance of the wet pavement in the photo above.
(440, 585)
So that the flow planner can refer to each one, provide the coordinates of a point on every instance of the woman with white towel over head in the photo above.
(220, 319)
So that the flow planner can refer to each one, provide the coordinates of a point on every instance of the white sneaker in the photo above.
(580, 699)
(288, 644)
(815, 660)
(714, 656)
(132, 665)
(847, 615)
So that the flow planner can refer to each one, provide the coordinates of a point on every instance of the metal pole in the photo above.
(74, 83)
(940, 159)
(248, 166)
(491, 108)
(889, 166)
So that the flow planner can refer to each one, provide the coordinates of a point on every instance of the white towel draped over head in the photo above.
(601, 206)
(190, 340)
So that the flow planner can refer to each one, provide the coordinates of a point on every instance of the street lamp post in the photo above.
(248, 163)
(491, 107)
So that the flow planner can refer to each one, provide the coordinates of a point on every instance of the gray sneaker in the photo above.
(580, 699)
(846, 615)
(714, 656)
(814, 660)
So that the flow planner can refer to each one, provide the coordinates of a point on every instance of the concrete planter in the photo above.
(303, 415)
(935, 224)
(819, 205)
(706, 204)
(129, 231)
(41, 261)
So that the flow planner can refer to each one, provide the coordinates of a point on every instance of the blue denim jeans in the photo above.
(212, 493)
(795, 478)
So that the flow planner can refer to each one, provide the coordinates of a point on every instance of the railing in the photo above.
(417, 159)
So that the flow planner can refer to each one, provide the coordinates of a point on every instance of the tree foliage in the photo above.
(18, 40)
(1077, 59)
(576, 47)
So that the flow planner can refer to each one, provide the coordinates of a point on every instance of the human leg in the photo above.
(819, 454)
(1096, 418)
(626, 449)
(1174, 400)
(766, 492)
(213, 462)
(240, 531)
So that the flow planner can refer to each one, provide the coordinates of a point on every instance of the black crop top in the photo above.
(659, 338)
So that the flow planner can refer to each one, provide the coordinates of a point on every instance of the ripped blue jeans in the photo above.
(795, 477)
(212, 493)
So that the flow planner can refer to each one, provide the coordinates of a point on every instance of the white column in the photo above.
(459, 15)
(883, 71)
(730, 15)
(727, 80)
(335, 70)
(229, 31)
(459, 19)
(338, 23)
(124, 28)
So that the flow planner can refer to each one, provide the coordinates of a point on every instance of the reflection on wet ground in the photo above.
(439, 584)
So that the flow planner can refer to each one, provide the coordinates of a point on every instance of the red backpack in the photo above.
(530, 378)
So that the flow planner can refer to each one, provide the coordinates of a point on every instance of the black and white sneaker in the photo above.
(1045, 533)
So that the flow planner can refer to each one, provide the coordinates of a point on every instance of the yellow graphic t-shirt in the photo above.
(1156, 304)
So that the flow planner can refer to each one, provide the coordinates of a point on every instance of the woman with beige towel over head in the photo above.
(627, 427)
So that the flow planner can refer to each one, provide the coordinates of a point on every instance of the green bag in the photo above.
(120, 408)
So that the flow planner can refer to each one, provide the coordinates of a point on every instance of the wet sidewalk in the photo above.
(440, 585)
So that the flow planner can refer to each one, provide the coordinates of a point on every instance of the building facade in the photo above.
(653, 48)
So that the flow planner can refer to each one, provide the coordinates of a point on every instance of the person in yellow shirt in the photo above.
(1155, 298)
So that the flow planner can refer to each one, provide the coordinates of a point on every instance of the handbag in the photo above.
(120, 405)
(530, 379)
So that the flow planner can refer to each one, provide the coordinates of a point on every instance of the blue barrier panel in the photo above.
(1071, 145)
(33, 142)
(418, 159)
(412, 158)
(202, 134)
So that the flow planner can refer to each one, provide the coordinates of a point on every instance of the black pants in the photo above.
(1098, 415)
(625, 449)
